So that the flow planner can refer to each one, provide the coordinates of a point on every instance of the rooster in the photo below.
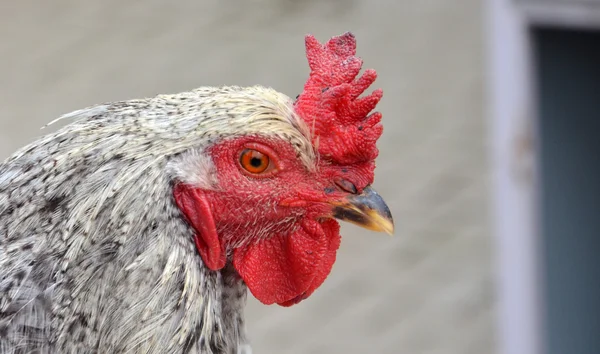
(139, 226)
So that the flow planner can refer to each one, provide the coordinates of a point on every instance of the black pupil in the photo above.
(256, 162)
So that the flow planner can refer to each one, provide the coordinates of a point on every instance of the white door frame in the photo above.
(514, 157)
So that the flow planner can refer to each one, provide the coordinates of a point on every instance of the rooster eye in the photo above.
(254, 161)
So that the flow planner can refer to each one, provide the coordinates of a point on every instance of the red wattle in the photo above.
(332, 229)
(286, 269)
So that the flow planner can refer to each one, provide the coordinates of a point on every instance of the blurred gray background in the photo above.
(429, 289)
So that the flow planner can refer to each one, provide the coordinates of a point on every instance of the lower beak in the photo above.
(366, 210)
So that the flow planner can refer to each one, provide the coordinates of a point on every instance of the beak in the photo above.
(366, 210)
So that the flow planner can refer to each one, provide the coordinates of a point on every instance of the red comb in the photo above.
(339, 119)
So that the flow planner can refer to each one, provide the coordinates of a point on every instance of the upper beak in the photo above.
(367, 210)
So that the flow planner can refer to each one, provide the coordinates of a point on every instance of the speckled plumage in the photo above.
(94, 254)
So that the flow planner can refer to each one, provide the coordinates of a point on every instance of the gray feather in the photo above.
(95, 257)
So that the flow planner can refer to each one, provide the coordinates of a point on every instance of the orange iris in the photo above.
(254, 161)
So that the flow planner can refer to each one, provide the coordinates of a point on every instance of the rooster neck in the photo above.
(94, 261)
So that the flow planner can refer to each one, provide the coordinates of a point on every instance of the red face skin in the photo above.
(276, 227)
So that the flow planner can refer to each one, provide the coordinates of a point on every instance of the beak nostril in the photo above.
(346, 185)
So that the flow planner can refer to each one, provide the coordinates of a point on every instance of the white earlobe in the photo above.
(194, 168)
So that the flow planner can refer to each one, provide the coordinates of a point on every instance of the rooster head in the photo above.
(267, 190)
